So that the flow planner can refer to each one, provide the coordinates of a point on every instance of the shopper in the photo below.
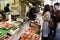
(46, 18)
(51, 9)
(52, 26)
(6, 8)
(32, 13)
(56, 17)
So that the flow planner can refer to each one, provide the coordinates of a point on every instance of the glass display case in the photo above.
(8, 30)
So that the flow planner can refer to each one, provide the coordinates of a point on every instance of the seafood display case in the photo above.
(21, 31)
(32, 32)
(8, 30)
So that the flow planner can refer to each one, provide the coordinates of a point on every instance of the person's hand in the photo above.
(44, 18)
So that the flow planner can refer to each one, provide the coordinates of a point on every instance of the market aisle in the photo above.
(58, 32)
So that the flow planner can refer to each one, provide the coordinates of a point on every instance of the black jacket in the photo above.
(32, 15)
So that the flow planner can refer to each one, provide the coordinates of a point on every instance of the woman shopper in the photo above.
(46, 18)
(52, 26)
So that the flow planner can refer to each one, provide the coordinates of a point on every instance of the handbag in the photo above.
(51, 24)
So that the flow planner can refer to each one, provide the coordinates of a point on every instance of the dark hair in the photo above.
(46, 8)
(56, 4)
(8, 4)
(51, 9)
(51, 6)
(34, 4)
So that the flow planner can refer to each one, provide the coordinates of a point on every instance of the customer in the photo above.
(6, 8)
(51, 9)
(52, 26)
(32, 13)
(56, 17)
(46, 18)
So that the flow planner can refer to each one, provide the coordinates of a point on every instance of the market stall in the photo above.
(7, 29)
(17, 30)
